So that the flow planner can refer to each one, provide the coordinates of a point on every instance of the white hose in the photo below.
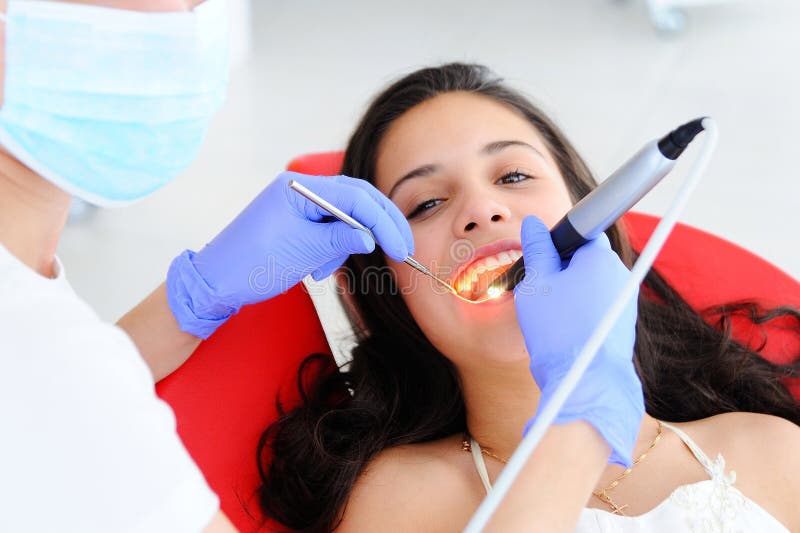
(545, 418)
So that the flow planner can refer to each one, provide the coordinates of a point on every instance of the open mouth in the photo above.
(473, 282)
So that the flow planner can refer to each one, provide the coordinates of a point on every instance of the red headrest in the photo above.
(224, 396)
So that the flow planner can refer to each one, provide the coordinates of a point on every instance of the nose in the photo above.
(479, 212)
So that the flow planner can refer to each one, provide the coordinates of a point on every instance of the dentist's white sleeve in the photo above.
(85, 444)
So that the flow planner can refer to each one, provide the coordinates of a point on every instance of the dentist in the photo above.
(109, 102)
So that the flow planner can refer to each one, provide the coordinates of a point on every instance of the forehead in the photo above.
(449, 130)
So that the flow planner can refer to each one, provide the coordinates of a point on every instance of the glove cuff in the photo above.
(192, 301)
(619, 454)
(611, 421)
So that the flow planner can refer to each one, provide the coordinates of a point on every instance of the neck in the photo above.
(33, 213)
(500, 399)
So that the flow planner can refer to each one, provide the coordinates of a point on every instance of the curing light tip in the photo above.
(494, 292)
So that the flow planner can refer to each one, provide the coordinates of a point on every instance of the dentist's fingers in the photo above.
(344, 242)
(541, 256)
(391, 209)
(382, 225)
(357, 203)
(327, 269)
(593, 251)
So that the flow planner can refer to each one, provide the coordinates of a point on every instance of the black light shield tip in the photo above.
(675, 142)
(566, 239)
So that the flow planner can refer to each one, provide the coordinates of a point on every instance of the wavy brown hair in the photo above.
(400, 390)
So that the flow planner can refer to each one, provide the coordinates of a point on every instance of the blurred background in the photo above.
(613, 75)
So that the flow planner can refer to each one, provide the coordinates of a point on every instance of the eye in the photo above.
(513, 177)
(424, 206)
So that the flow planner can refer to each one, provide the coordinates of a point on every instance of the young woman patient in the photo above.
(411, 435)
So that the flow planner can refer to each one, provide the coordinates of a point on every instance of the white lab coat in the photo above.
(85, 444)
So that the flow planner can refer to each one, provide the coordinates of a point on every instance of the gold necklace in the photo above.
(603, 496)
(466, 446)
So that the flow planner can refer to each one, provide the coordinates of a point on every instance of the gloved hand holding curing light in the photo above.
(279, 239)
(558, 309)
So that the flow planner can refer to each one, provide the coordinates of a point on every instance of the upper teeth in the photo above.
(470, 275)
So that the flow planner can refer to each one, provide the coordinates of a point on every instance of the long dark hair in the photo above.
(399, 389)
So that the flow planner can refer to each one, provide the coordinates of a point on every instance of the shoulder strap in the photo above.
(714, 469)
(480, 464)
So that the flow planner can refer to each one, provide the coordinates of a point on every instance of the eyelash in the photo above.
(420, 208)
(516, 173)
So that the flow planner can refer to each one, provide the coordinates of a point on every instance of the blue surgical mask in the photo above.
(110, 104)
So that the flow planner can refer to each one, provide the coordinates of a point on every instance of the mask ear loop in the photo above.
(548, 413)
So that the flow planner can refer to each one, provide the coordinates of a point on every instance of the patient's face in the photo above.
(478, 169)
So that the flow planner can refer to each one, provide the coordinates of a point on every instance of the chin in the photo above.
(495, 335)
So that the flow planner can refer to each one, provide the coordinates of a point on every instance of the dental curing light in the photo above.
(547, 413)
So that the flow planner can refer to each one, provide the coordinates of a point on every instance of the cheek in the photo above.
(423, 296)
(430, 306)
(439, 325)
(550, 206)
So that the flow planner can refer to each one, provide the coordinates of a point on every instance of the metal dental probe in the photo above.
(353, 223)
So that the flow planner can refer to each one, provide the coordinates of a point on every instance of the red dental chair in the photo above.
(224, 396)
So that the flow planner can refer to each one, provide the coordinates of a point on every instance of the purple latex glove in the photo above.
(279, 239)
(558, 309)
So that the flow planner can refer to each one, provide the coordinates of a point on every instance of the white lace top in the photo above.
(711, 505)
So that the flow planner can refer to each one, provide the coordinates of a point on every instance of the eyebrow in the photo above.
(490, 149)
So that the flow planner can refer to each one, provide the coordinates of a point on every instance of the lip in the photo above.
(486, 250)
(492, 302)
